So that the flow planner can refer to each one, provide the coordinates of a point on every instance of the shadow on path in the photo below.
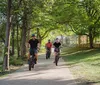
(44, 73)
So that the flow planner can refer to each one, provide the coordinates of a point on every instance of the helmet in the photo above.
(56, 38)
(49, 40)
(33, 35)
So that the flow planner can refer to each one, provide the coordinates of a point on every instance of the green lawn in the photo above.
(84, 64)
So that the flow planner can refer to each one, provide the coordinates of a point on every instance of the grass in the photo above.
(84, 64)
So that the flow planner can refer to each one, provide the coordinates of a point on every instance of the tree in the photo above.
(88, 19)
(7, 39)
(81, 16)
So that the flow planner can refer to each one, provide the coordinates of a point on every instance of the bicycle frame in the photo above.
(48, 52)
(31, 62)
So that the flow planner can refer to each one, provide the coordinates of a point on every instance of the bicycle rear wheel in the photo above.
(30, 65)
(47, 55)
(56, 60)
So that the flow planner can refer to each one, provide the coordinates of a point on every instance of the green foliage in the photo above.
(50, 18)
(1, 62)
(16, 62)
(88, 17)
(3, 7)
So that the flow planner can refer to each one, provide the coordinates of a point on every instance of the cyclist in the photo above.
(48, 46)
(56, 44)
(34, 45)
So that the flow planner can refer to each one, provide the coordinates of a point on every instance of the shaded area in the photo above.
(39, 82)
(42, 75)
(84, 64)
(45, 73)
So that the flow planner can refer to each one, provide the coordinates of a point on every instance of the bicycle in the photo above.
(57, 56)
(48, 53)
(32, 61)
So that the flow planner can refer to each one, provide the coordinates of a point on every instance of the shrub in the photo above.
(16, 62)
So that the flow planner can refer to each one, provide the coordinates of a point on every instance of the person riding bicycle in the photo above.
(48, 46)
(34, 45)
(56, 45)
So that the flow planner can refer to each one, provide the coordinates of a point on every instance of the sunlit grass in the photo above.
(84, 64)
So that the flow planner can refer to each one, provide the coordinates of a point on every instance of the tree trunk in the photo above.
(90, 38)
(79, 40)
(24, 30)
(62, 40)
(28, 34)
(40, 40)
(7, 39)
(28, 38)
(18, 49)
(13, 34)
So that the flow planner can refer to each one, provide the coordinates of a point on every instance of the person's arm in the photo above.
(38, 45)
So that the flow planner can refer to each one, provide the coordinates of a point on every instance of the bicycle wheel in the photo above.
(30, 65)
(56, 60)
(47, 55)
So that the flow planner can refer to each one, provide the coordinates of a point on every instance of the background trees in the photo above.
(24, 17)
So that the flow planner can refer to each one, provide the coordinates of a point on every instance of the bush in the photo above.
(16, 62)
(1, 62)
(42, 49)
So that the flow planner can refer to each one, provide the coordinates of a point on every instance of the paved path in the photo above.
(45, 73)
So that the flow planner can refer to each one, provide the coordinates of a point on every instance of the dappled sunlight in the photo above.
(85, 64)
(81, 51)
(94, 57)
(39, 81)
(44, 73)
(31, 30)
(83, 56)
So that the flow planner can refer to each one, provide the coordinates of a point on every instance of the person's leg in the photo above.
(46, 52)
(50, 50)
(54, 56)
(36, 54)
(29, 54)
(50, 53)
